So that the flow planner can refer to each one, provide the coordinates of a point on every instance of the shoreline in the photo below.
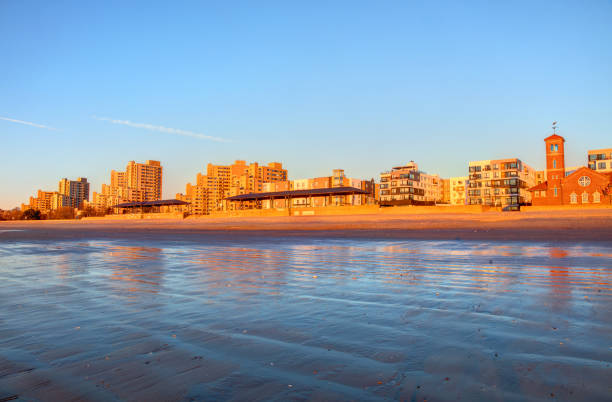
(553, 226)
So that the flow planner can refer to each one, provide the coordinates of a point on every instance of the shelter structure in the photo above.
(150, 206)
(330, 196)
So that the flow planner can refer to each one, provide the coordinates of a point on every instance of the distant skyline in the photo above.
(361, 86)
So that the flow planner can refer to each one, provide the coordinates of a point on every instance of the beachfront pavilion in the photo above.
(149, 206)
(318, 197)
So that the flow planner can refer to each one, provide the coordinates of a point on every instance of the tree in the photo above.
(31, 214)
(61, 213)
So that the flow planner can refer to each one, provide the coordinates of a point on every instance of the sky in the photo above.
(86, 87)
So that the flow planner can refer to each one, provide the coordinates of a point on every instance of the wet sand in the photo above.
(548, 226)
(315, 308)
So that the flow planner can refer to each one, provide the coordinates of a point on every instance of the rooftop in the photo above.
(298, 193)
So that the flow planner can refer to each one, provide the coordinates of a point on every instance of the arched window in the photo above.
(556, 147)
(552, 147)
(585, 197)
(596, 196)
(573, 198)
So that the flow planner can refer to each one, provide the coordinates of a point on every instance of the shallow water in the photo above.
(305, 318)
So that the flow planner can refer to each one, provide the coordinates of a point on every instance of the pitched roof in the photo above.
(541, 186)
(554, 137)
(590, 171)
(298, 193)
(157, 203)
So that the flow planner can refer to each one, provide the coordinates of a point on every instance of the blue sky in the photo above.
(315, 85)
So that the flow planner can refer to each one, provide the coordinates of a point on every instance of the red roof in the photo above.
(541, 186)
(554, 137)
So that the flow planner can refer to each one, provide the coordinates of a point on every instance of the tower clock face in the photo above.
(584, 181)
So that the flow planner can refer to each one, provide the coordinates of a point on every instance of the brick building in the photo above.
(581, 187)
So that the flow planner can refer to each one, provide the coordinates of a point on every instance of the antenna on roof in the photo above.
(554, 127)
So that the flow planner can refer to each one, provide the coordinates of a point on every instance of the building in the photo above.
(42, 202)
(47, 201)
(600, 160)
(329, 195)
(208, 194)
(446, 197)
(500, 182)
(405, 185)
(77, 191)
(139, 182)
(458, 190)
(581, 187)
(59, 200)
(144, 180)
(540, 176)
(311, 192)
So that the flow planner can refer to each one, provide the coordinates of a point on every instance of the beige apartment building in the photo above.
(47, 201)
(221, 181)
(144, 180)
(500, 182)
(72, 193)
(600, 160)
(458, 190)
(139, 182)
(77, 191)
(446, 194)
(406, 185)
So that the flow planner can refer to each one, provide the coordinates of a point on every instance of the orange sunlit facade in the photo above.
(139, 182)
(221, 181)
(583, 186)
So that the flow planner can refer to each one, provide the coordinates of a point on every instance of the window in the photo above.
(556, 147)
(601, 165)
(573, 198)
(585, 197)
(554, 163)
(584, 181)
(556, 192)
(596, 197)
(552, 147)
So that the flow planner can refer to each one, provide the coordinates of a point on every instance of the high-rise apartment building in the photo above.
(77, 191)
(140, 182)
(408, 185)
(600, 160)
(145, 180)
(500, 182)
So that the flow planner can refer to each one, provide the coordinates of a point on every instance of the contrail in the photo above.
(28, 123)
(169, 130)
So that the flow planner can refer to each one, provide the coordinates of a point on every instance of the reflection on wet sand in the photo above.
(305, 319)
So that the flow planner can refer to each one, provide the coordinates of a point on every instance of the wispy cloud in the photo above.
(169, 130)
(28, 123)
